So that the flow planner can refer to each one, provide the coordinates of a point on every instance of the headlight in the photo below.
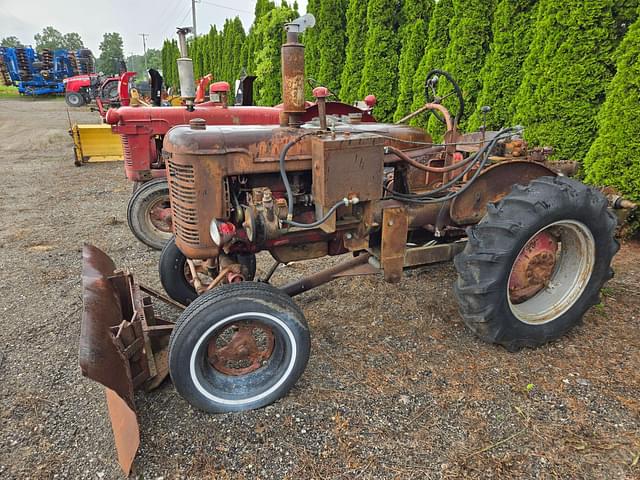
(221, 232)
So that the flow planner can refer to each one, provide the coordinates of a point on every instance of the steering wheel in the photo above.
(452, 89)
(315, 83)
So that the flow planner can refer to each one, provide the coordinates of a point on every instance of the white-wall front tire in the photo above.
(239, 347)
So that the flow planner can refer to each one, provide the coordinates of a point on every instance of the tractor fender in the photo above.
(491, 185)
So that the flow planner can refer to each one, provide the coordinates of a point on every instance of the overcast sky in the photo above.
(91, 19)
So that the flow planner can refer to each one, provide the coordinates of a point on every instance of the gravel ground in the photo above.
(396, 387)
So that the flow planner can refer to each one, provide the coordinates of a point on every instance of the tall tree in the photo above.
(356, 18)
(110, 53)
(332, 38)
(413, 35)
(170, 55)
(270, 35)
(512, 33)
(72, 41)
(470, 33)
(380, 73)
(10, 42)
(434, 54)
(311, 41)
(564, 76)
(250, 45)
(49, 38)
(612, 159)
(625, 13)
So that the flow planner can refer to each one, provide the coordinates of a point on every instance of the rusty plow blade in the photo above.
(123, 345)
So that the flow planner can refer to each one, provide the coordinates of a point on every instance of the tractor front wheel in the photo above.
(239, 347)
(536, 262)
(74, 99)
(149, 213)
(176, 277)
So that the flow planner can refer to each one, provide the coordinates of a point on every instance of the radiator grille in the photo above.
(183, 202)
(128, 161)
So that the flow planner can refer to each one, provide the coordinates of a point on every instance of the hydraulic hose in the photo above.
(414, 163)
(287, 186)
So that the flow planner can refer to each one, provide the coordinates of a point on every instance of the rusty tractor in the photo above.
(142, 130)
(532, 248)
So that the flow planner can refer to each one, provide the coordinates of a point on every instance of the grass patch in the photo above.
(8, 91)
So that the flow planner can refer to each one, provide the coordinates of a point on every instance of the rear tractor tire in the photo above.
(149, 213)
(239, 347)
(175, 275)
(74, 99)
(536, 262)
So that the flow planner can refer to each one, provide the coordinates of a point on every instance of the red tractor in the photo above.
(83, 89)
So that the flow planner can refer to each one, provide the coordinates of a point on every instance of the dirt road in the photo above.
(396, 386)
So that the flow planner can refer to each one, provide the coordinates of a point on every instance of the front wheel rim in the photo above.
(572, 270)
(222, 388)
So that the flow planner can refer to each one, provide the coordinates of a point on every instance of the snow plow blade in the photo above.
(123, 346)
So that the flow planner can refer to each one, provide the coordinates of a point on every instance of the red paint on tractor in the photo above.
(533, 268)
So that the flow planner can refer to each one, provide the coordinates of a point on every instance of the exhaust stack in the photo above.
(185, 70)
(292, 54)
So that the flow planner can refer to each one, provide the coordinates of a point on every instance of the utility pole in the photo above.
(144, 47)
(193, 17)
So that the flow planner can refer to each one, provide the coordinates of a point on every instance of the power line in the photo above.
(223, 6)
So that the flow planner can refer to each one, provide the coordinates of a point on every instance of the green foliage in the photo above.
(356, 18)
(434, 54)
(565, 74)
(269, 36)
(332, 38)
(49, 38)
(512, 32)
(380, 73)
(170, 54)
(470, 33)
(10, 42)
(110, 53)
(72, 41)
(612, 160)
(136, 63)
(413, 35)
(625, 13)
(311, 41)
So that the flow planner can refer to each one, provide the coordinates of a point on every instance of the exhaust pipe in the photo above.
(186, 75)
(292, 55)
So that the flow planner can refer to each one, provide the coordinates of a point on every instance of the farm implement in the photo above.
(532, 248)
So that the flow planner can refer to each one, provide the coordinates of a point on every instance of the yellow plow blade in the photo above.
(95, 143)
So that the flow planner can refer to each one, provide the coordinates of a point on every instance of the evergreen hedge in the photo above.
(565, 74)
(612, 159)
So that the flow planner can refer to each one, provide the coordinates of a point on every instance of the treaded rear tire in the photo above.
(188, 366)
(496, 241)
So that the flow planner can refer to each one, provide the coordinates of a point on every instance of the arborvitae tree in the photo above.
(354, 58)
(269, 35)
(311, 41)
(434, 54)
(332, 38)
(625, 13)
(613, 157)
(470, 33)
(512, 32)
(250, 46)
(413, 35)
(380, 73)
(570, 62)
(170, 54)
